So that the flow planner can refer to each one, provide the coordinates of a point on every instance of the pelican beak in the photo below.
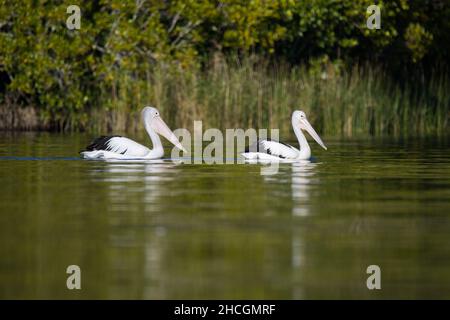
(161, 128)
(307, 126)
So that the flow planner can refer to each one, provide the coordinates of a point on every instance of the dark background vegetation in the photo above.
(230, 63)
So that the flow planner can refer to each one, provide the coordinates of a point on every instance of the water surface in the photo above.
(161, 230)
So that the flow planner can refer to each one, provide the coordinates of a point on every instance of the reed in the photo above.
(254, 93)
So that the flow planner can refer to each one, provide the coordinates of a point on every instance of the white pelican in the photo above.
(276, 151)
(117, 147)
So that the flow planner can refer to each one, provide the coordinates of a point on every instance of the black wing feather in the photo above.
(100, 143)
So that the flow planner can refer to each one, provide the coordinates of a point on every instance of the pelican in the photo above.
(118, 147)
(276, 151)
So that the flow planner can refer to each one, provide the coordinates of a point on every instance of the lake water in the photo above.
(187, 231)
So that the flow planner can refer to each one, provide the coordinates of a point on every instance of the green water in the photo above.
(166, 230)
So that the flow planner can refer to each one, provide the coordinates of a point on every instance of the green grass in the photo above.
(253, 93)
(362, 101)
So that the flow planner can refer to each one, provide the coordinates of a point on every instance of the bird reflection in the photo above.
(128, 179)
(136, 195)
(302, 173)
(302, 177)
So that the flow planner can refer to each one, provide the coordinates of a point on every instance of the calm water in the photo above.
(166, 230)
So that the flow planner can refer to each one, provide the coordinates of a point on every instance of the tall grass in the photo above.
(253, 93)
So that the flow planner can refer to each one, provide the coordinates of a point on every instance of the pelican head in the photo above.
(299, 119)
(153, 120)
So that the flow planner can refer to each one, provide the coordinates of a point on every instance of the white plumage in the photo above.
(267, 150)
(117, 147)
(127, 147)
(278, 151)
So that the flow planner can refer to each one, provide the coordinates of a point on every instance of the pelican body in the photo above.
(279, 151)
(118, 147)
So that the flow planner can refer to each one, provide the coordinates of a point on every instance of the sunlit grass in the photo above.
(253, 93)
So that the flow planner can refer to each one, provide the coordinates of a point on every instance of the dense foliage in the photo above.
(66, 74)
